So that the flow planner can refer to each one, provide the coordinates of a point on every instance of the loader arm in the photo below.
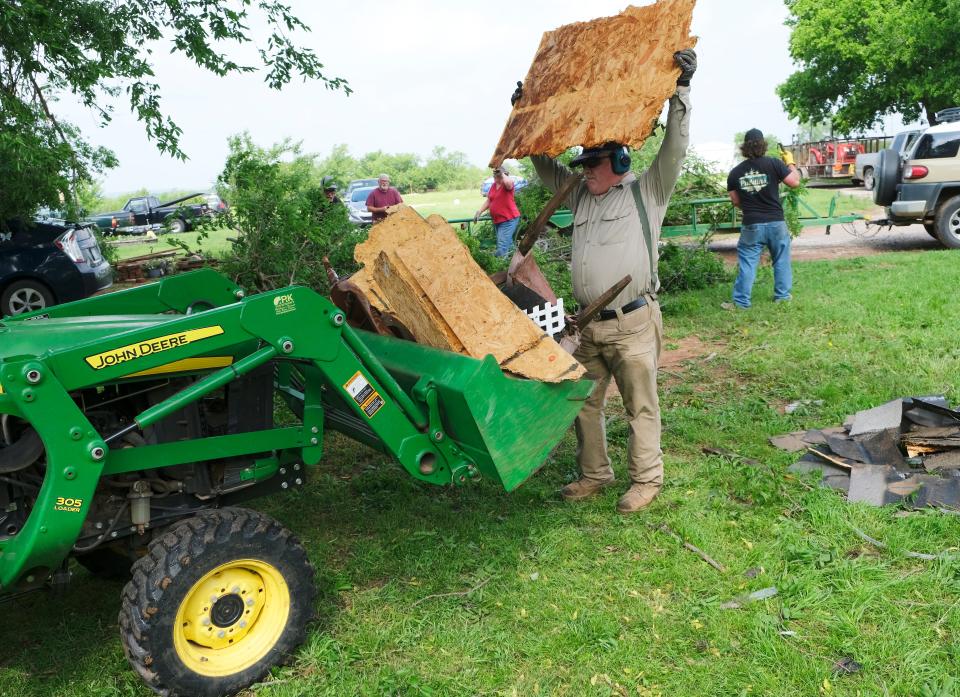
(446, 418)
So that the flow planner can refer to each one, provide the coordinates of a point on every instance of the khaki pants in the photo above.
(626, 348)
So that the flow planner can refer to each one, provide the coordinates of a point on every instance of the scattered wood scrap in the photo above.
(665, 529)
(913, 555)
(575, 94)
(135, 269)
(455, 593)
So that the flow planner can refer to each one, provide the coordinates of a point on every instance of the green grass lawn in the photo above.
(532, 596)
(450, 204)
(819, 200)
(215, 244)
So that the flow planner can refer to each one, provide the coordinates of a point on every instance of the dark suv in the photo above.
(46, 262)
(924, 186)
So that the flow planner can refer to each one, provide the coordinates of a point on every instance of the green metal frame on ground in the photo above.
(564, 218)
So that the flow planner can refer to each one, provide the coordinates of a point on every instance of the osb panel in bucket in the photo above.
(428, 279)
(411, 305)
(593, 82)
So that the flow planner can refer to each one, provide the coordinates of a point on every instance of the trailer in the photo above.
(725, 218)
(826, 159)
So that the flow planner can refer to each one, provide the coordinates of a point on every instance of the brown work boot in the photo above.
(638, 497)
(584, 488)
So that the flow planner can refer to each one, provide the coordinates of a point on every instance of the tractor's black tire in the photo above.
(176, 573)
(886, 177)
(947, 223)
(25, 296)
(107, 562)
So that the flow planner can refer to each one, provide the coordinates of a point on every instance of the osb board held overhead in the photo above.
(597, 81)
(418, 270)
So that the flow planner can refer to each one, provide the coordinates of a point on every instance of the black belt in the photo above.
(629, 307)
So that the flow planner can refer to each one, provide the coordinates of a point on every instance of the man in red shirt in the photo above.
(382, 197)
(503, 209)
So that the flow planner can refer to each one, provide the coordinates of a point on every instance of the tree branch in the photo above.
(56, 125)
(664, 528)
(454, 593)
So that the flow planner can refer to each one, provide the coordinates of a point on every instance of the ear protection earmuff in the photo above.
(620, 161)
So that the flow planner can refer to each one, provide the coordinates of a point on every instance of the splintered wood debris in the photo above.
(597, 81)
(905, 451)
(420, 272)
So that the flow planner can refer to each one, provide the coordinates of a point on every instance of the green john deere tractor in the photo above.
(133, 424)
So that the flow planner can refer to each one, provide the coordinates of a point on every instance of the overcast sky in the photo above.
(428, 73)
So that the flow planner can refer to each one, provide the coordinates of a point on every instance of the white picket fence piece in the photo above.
(549, 317)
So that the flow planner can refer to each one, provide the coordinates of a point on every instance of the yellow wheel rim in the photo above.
(231, 618)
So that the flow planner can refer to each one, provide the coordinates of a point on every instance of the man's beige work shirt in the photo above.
(608, 241)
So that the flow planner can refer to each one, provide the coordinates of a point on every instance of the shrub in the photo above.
(791, 207)
(284, 222)
(482, 254)
(686, 267)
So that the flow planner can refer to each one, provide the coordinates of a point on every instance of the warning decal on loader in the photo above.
(140, 349)
(363, 394)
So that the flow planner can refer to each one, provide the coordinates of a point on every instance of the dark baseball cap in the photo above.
(753, 134)
(605, 150)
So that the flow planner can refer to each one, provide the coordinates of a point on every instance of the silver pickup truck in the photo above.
(866, 164)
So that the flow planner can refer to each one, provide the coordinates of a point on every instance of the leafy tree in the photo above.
(773, 144)
(339, 165)
(285, 223)
(443, 170)
(401, 167)
(89, 196)
(98, 50)
(809, 132)
(862, 59)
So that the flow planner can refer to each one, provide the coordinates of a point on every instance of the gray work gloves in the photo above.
(687, 60)
(517, 93)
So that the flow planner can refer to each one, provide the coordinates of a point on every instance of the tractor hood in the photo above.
(37, 337)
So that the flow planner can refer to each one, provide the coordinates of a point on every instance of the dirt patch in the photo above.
(676, 354)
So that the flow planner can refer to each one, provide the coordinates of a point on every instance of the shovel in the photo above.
(570, 339)
(523, 267)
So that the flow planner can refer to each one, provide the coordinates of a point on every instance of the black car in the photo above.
(46, 262)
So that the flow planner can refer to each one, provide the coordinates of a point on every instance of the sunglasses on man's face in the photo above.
(593, 162)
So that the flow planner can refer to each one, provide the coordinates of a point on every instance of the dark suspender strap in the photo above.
(647, 236)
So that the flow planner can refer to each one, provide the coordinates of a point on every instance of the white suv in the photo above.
(925, 186)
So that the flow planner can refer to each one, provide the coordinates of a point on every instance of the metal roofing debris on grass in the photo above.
(866, 459)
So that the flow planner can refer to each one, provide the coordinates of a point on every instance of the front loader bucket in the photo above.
(506, 425)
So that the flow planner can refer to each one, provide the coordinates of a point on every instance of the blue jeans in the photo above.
(505, 231)
(753, 238)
